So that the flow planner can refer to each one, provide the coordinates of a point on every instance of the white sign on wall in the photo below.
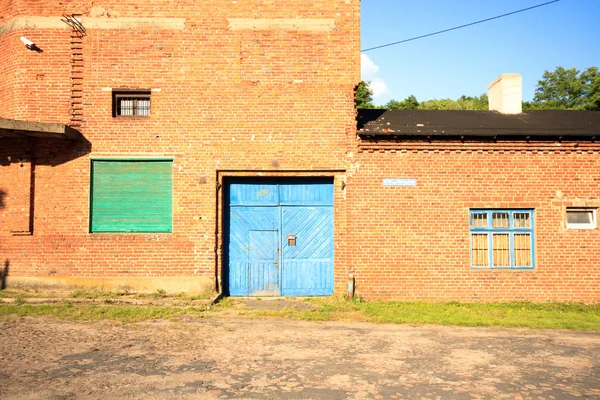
(399, 182)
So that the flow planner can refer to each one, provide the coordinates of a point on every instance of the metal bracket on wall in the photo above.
(75, 23)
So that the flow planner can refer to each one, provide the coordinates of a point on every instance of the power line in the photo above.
(461, 26)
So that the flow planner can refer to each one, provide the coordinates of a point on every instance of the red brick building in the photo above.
(477, 205)
(233, 88)
(214, 146)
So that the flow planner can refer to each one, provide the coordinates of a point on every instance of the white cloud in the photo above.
(368, 72)
(380, 89)
(368, 69)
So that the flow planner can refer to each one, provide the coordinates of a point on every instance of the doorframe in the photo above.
(340, 257)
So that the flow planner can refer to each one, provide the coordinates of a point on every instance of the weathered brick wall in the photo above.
(238, 97)
(412, 243)
(225, 96)
(15, 191)
(34, 85)
(8, 73)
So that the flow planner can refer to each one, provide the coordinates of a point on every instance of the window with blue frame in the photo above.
(501, 239)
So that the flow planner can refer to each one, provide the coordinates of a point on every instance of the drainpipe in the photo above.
(351, 284)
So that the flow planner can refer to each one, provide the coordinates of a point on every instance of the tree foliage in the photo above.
(567, 89)
(592, 77)
(363, 95)
(463, 103)
(410, 103)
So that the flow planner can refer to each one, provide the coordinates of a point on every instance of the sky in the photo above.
(465, 61)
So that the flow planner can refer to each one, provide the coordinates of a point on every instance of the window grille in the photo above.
(502, 239)
(131, 103)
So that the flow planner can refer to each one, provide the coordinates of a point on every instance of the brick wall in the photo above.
(224, 97)
(412, 243)
(235, 97)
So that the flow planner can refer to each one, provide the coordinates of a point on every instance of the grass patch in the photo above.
(94, 313)
(227, 302)
(9, 294)
(158, 294)
(93, 294)
(511, 315)
(200, 296)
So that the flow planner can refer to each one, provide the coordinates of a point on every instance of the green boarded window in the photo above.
(132, 196)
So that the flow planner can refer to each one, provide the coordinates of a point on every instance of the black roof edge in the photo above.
(480, 125)
(485, 136)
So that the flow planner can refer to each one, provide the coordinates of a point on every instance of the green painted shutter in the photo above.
(132, 196)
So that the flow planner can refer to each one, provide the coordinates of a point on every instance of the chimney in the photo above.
(506, 94)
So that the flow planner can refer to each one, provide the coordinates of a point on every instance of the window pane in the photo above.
(479, 220)
(143, 107)
(479, 250)
(579, 217)
(522, 220)
(132, 105)
(500, 220)
(126, 107)
(501, 250)
(522, 250)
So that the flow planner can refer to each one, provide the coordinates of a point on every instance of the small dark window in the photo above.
(132, 103)
(581, 218)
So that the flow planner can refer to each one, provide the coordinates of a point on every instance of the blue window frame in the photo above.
(502, 238)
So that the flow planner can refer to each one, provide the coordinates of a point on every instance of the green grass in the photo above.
(200, 296)
(93, 294)
(525, 315)
(511, 315)
(158, 294)
(14, 294)
(72, 312)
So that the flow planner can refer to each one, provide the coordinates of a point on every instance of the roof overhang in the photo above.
(19, 128)
(478, 125)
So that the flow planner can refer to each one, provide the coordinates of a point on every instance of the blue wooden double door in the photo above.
(279, 237)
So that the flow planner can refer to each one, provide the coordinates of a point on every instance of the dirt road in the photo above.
(279, 359)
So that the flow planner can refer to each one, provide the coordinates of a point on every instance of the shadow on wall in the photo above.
(55, 152)
(27, 151)
(43, 151)
(3, 275)
(4, 269)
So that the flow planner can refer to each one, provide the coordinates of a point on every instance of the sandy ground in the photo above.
(237, 357)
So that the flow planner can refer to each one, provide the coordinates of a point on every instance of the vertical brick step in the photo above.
(77, 65)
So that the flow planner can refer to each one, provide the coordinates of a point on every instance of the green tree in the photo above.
(438, 104)
(533, 105)
(474, 103)
(409, 103)
(463, 103)
(591, 79)
(567, 89)
(564, 89)
(363, 95)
